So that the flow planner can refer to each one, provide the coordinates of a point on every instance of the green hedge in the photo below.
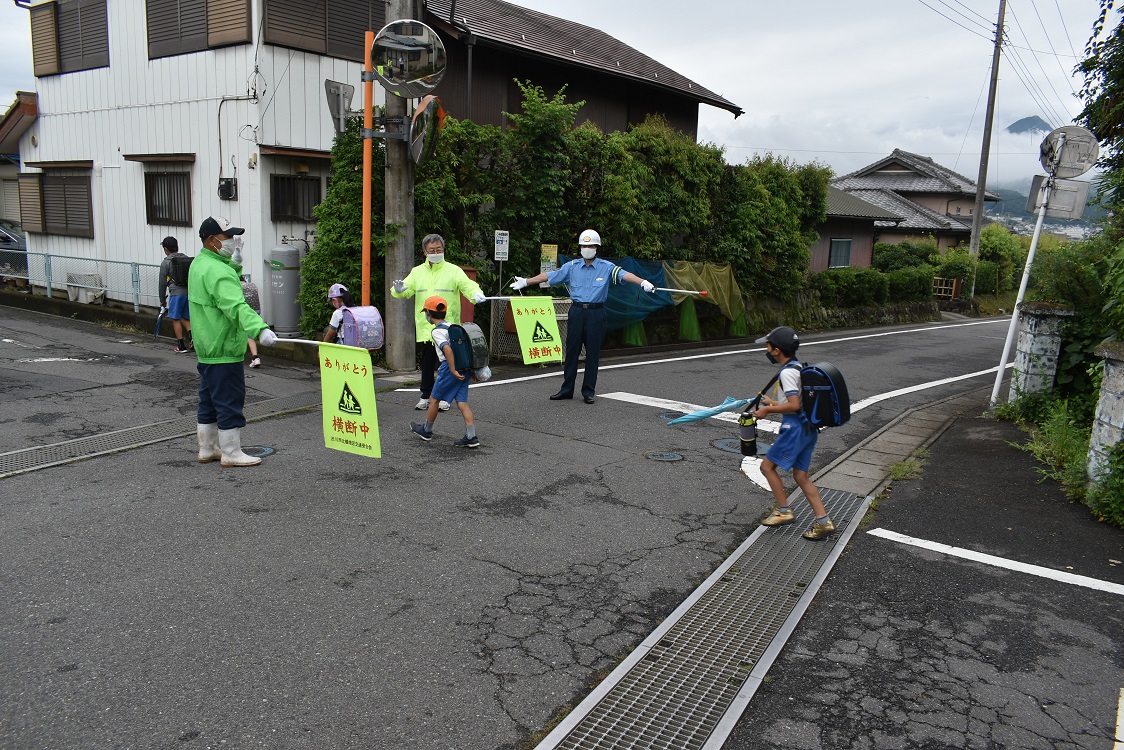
(911, 284)
(851, 287)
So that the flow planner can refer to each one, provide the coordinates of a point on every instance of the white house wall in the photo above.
(171, 106)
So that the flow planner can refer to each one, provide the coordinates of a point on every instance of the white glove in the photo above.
(163, 309)
(236, 256)
(267, 337)
(647, 286)
(478, 298)
(519, 283)
(398, 286)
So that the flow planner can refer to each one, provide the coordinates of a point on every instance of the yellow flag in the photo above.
(537, 326)
(347, 387)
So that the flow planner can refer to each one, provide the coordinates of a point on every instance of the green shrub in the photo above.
(850, 287)
(1061, 443)
(888, 258)
(910, 284)
(1106, 497)
(987, 278)
(957, 264)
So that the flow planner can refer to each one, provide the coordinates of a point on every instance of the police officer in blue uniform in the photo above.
(588, 279)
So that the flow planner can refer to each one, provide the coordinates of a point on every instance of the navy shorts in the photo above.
(448, 388)
(794, 445)
(178, 307)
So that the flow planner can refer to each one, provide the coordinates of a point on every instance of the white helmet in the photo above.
(589, 237)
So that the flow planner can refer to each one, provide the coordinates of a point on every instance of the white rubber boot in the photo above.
(208, 442)
(231, 443)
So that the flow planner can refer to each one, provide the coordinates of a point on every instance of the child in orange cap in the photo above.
(450, 385)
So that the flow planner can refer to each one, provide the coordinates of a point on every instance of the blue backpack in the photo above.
(824, 399)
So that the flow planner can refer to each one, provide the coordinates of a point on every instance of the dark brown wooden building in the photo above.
(490, 43)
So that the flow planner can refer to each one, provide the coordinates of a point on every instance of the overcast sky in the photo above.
(841, 82)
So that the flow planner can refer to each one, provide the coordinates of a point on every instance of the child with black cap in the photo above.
(796, 440)
(451, 385)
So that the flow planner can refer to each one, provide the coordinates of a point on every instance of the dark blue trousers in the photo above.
(585, 326)
(222, 394)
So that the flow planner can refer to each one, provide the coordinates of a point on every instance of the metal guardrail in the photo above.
(88, 280)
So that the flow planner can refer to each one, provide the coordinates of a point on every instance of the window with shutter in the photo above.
(228, 22)
(66, 205)
(31, 202)
(176, 27)
(289, 23)
(44, 39)
(83, 35)
(348, 20)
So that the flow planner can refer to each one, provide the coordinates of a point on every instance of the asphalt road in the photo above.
(435, 598)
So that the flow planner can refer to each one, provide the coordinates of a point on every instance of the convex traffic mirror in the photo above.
(409, 58)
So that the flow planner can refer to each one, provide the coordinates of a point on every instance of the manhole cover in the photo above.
(730, 445)
(257, 450)
(670, 415)
(660, 456)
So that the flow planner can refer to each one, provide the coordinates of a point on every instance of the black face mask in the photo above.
(771, 357)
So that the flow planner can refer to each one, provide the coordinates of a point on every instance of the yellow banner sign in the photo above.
(537, 326)
(347, 387)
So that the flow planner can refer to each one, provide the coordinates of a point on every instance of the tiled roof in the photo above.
(845, 205)
(533, 33)
(913, 174)
(914, 216)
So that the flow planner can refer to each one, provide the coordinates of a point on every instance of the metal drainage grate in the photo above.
(730, 445)
(43, 456)
(659, 456)
(676, 689)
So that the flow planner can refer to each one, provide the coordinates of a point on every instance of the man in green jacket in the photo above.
(222, 323)
(434, 277)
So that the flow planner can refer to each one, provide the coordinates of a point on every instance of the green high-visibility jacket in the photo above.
(446, 280)
(221, 321)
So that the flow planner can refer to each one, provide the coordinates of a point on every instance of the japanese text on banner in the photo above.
(347, 387)
(537, 327)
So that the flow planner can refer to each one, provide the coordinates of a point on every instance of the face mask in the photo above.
(589, 253)
(230, 246)
(771, 357)
(435, 258)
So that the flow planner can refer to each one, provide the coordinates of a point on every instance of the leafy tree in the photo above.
(906, 254)
(1103, 92)
(999, 246)
(336, 255)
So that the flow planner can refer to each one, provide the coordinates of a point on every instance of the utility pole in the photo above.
(981, 181)
(399, 206)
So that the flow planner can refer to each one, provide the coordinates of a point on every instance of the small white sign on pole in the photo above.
(503, 242)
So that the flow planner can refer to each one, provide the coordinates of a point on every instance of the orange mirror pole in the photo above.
(368, 103)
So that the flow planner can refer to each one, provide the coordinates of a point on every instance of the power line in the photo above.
(952, 20)
(985, 26)
(1068, 40)
(1037, 59)
(1023, 74)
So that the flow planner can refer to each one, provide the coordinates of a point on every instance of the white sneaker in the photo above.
(443, 406)
(423, 403)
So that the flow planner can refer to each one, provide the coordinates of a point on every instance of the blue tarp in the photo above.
(628, 303)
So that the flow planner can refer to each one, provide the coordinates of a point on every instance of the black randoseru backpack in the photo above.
(823, 395)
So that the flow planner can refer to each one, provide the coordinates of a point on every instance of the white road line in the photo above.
(709, 355)
(1001, 562)
(870, 401)
(1119, 722)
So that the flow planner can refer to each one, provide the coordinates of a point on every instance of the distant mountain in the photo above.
(1033, 124)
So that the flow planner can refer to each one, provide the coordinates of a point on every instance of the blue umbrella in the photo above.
(730, 404)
